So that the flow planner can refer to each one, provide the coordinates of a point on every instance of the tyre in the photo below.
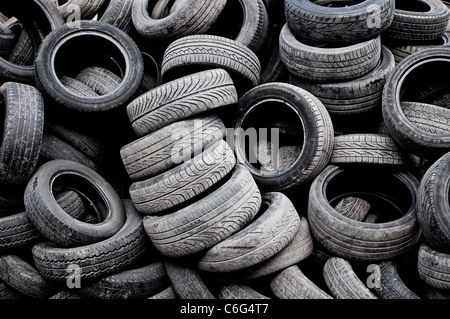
(209, 220)
(418, 21)
(167, 293)
(433, 267)
(98, 259)
(391, 285)
(22, 276)
(300, 248)
(186, 281)
(240, 292)
(202, 51)
(392, 194)
(101, 80)
(179, 99)
(54, 148)
(118, 14)
(328, 64)
(402, 51)
(190, 17)
(185, 182)
(159, 151)
(18, 231)
(401, 86)
(300, 117)
(370, 149)
(355, 97)
(291, 283)
(137, 283)
(272, 230)
(103, 40)
(40, 18)
(333, 22)
(245, 21)
(426, 117)
(353, 207)
(6, 40)
(433, 209)
(343, 282)
(22, 132)
(53, 222)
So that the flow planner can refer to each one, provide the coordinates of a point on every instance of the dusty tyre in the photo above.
(209, 51)
(22, 132)
(181, 98)
(271, 231)
(418, 21)
(170, 145)
(343, 282)
(354, 240)
(291, 283)
(209, 220)
(300, 117)
(53, 222)
(433, 267)
(185, 182)
(109, 47)
(331, 22)
(98, 259)
(190, 17)
(354, 97)
(403, 86)
(328, 64)
(433, 207)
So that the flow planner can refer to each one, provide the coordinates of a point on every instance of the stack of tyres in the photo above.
(232, 149)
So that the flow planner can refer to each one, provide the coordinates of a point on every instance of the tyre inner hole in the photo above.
(272, 136)
(88, 50)
(412, 5)
(388, 196)
(91, 196)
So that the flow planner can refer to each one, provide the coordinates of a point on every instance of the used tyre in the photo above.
(108, 47)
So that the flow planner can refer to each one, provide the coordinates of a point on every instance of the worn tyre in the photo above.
(328, 64)
(329, 22)
(53, 222)
(265, 236)
(355, 240)
(102, 39)
(303, 118)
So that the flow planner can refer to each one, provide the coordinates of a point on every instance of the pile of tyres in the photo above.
(224, 149)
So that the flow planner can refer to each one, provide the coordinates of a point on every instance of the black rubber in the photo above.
(185, 182)
(433, 207)
(418, 21)
(304, 149)
(209, 220)
(109, 47)
(171, 145)
(403, 85)
(272, 229)
(190, 17)
(328, 63)
(53, 222)
(22, 132)
(325, 21)
(99, 259)
(360, 241)
(354, 97)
